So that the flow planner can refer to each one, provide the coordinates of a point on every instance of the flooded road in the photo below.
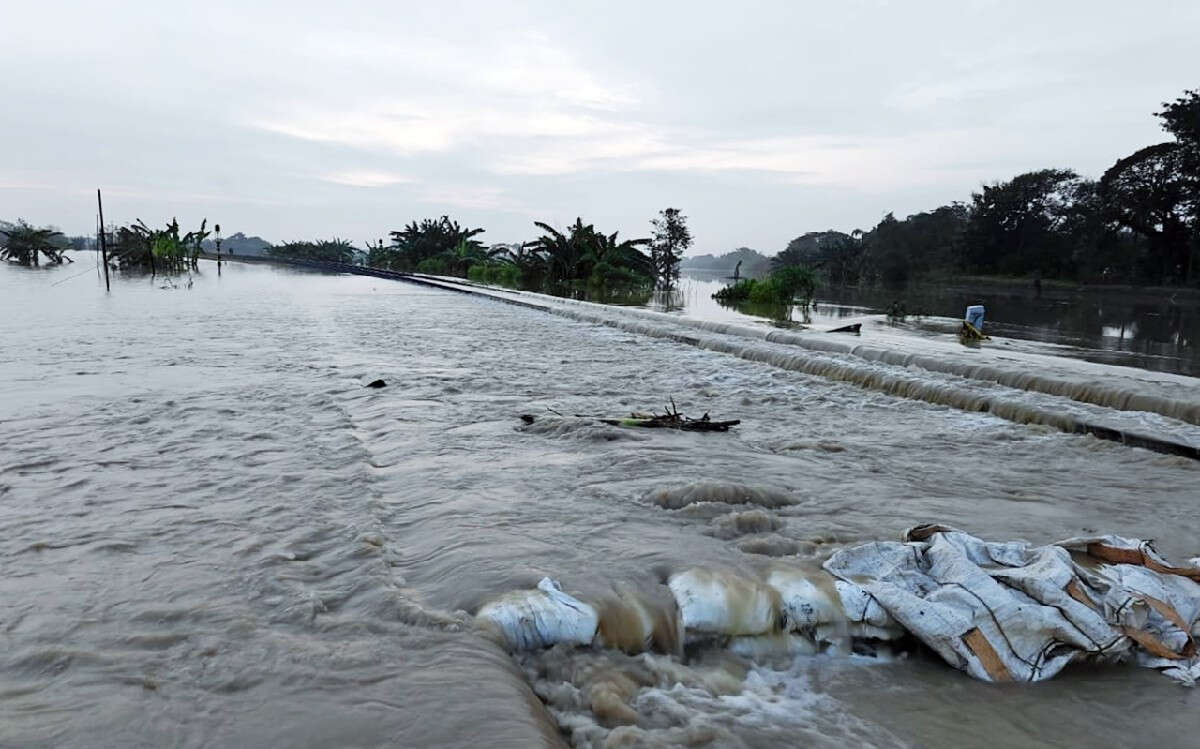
(213, 535)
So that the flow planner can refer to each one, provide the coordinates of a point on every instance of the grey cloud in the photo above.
(760, 120)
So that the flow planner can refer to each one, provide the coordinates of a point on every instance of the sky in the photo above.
(759, 120)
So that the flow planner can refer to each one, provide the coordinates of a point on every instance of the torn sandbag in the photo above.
(528, 619)
(1011, 611)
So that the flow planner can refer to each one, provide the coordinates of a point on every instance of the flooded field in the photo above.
(213, 534)
(1148, 329)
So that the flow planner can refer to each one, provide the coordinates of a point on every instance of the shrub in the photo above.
(434, 266)
(501, 274)
(781, 287)
(736, 292)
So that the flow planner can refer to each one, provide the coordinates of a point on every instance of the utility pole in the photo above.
(103, 241)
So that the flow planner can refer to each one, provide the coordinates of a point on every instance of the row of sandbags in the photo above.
(999, 611)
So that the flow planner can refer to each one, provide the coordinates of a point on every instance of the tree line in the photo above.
(580, 259)
(1139, 224)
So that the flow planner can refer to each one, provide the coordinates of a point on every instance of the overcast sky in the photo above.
(760, 120)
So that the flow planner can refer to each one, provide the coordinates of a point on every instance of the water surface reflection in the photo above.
(1140, 328)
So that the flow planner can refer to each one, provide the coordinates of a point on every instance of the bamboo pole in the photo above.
(103, 241)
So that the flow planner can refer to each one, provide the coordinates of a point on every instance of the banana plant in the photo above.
(22, 243)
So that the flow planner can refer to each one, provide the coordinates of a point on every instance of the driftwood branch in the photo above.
(670, 419)
(673, 419)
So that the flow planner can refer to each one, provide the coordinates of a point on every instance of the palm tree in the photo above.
(441, 240)
(530, 261)
(22, 243)
(564, 252)
(611, 260)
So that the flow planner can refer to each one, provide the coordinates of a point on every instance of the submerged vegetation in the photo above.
(24, 244)
(784, 286)
(138, 247)
(496, 274)
(772, 296)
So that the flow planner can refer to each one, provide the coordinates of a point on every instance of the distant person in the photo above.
(1037, 284)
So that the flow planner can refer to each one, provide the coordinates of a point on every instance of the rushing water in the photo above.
(213, 535)
(1139, 328)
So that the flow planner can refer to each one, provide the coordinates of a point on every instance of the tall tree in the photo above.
(671, 238)
(1156, 191)
(565, 254)
(1181, 118)
(1017, 227)
(811, 248)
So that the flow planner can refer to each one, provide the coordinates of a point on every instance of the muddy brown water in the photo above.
(213, 535)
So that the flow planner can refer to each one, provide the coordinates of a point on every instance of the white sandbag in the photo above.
(1009, 611)
(805, 606)
(528, 619)
(720, 603)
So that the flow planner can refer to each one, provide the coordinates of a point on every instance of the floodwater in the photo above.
(213, 535)
(1148, 329)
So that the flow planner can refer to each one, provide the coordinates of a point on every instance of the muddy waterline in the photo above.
(213, 535)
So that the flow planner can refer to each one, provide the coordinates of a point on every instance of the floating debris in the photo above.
(855, 328)
(670, 419)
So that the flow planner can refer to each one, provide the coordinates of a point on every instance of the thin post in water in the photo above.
(103, 242)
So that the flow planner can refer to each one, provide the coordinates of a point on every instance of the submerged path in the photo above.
(213, 534)
(1099, 400)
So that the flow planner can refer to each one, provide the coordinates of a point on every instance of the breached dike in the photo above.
(1081, 390)
(996, 611)
(892, 372)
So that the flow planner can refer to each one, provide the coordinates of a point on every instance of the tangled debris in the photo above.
(670, 419)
